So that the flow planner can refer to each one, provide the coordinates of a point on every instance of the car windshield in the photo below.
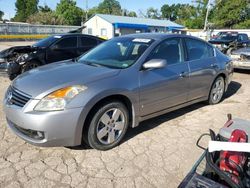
(46, 42)
(117, 53)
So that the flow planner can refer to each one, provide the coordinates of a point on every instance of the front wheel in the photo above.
(217, 91)
(108, 126)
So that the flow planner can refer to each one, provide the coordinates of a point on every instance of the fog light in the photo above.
(40, 134)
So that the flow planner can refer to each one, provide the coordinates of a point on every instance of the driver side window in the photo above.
(170, 50)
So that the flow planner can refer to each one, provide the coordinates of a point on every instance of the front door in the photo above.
(166, 87)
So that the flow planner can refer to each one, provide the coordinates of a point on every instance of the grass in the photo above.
(24, 37)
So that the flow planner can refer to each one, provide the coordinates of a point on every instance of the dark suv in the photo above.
(228, 42)
(52, 49)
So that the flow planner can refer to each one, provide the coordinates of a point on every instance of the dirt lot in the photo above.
(158, 153)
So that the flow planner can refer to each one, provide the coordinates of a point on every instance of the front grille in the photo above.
(16, 97)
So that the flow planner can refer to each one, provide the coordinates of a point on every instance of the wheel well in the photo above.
(121, 98)
(223, 75)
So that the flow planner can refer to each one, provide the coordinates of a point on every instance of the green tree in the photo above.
(44, 8)
(228, 14)
(110, 7)
(170, 11)
(24, 9)
(69, 12)
(1, 15)
(153, 13)
(186, 14)
(132, 14)
(45, 18)
(126, 12)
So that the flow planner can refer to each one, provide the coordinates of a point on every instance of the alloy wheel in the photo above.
(110, 126)
(218, 90)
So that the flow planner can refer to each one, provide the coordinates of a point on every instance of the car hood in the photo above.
(244, 51)
(43, 80)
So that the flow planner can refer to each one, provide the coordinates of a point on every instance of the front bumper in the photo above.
(46, 129)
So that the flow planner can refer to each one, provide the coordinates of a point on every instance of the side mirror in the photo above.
(154, 64)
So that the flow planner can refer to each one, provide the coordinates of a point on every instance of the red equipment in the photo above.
(232, 162)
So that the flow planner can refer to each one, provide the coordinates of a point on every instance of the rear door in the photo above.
(166, 87)
(64, 49)
(202, 65)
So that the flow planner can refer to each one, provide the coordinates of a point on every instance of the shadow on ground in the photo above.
(154, 122)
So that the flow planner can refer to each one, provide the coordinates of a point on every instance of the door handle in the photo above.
(183, 74)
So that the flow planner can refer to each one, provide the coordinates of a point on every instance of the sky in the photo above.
(8, 6)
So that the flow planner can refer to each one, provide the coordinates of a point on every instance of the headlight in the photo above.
(57, 100)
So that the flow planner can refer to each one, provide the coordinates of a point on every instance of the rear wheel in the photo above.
(217, 91)
(30, 65)
(108, 126)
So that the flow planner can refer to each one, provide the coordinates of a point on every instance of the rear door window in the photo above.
(197, 49)
(87, 41)
(69, 42)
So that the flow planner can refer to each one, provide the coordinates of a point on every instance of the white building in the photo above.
(108, 26)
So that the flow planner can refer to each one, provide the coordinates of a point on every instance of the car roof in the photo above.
(77, 34)
(159, 36)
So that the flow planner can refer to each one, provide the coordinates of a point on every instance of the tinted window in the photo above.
(69, 42)
(243, 37)
(198, 49)
(171, 50)
(87, 41)
(228, 37)
(210, 51)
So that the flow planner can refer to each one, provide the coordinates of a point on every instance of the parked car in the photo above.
(241, 58)
(17, 60)
(116, 85)
(229, 42)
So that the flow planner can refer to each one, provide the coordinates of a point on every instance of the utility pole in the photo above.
(87, 9)
(208, 9)
(86, 12)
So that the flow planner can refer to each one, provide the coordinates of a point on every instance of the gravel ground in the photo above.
(158, 153)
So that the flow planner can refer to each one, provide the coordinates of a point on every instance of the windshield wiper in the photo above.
(92, 64)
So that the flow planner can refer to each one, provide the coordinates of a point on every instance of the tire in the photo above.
(30, 65)
(217, 91)
(108, 126)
